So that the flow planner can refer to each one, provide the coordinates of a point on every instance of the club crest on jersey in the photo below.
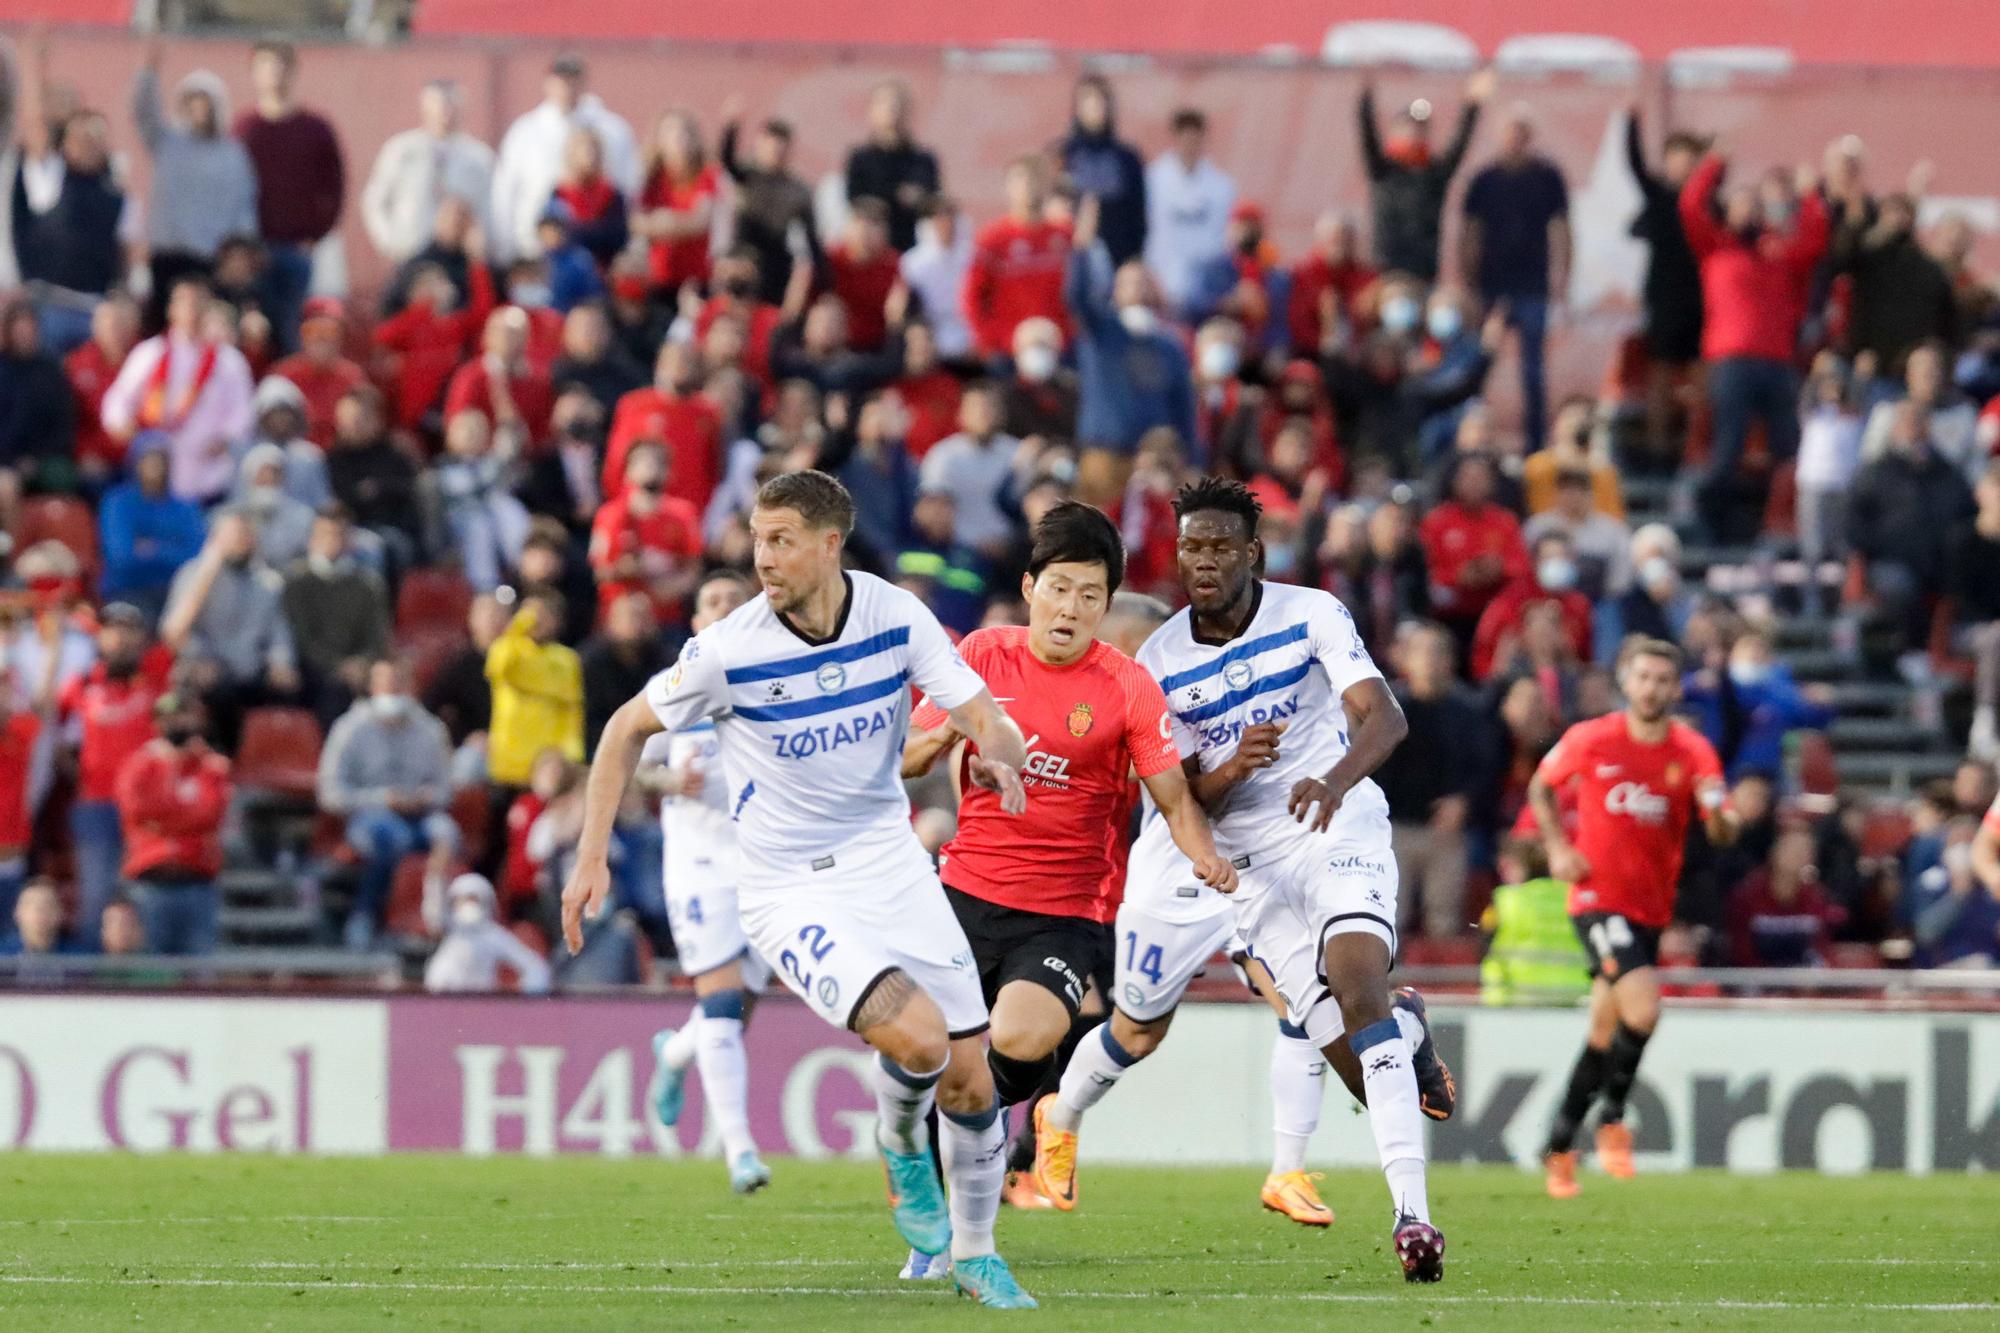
(674, 676)
(1237, 674)
(1079, 721)
(830, 677)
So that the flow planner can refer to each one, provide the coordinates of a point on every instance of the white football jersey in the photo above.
(699, 837)
(1297, 655)
(811, 734)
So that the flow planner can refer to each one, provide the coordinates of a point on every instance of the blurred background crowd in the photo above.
(315, 602)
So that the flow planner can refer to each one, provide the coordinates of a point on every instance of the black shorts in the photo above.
(1616, 945)
(1058, 953)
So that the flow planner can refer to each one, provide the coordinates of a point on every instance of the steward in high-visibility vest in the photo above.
(1534, 956)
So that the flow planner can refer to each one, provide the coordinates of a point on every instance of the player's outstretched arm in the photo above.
(1375, 727)
(617, 757)
(921, 750)
(1003, 751)
(1189, 827)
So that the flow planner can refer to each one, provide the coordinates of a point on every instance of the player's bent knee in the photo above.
(899, 1020)
(1139, 1038)
(1028, 1022)
(967, 1085)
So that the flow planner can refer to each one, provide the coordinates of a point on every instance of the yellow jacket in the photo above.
(537, 702)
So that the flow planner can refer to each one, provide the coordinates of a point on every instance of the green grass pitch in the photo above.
(220, 1243)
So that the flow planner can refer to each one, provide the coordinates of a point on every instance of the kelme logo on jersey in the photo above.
(1079, 720)
(809, 741)
(1228, 733)
(1237, 674)
(1637, 800)
(830, 677)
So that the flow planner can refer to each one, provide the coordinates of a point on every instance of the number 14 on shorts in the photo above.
(1147, 964)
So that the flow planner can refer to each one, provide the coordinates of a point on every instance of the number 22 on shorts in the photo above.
(817, 944)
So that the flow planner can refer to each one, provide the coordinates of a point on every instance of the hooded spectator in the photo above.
(145, 532)
(283, 523)
(192, 386)
(1099, 164)
(281, 423)
(773, 206)
(1188, 203)
(204, 187)
(301, 183)
(1407, 183)
(531, 156)
(418, 169)
(1018, 268)
(475, 947)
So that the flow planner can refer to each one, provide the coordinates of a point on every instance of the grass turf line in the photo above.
(184, 1242)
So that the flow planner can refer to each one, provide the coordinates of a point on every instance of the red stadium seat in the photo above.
(279, 752)
(60, 518)
(1886, 833)
(405, 912)
(1819, 770)
(472, 811)
(432, 603)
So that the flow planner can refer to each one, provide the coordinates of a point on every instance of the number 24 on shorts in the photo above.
(817, 944)
(1147, 964)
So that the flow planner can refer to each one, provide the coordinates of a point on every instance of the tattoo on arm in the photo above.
(885, 1002)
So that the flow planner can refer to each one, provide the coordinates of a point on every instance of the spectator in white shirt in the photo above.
(190, 384)
(976, 469)
(1188, 199)
(417, 170)
(934, 270)
(531, 156)
(475, 945)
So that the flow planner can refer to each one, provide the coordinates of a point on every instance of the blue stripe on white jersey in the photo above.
(791, 712)
(796, 666)
(1241, 651)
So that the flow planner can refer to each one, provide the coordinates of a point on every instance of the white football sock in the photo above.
(902, 1100)
(1394, 1115)
(1298, 1082)
(1412, 1028)
(725, 1082)
(1093, 1070)
(975, 1169)
(678, 1053)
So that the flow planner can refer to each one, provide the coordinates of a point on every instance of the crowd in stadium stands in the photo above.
(436, 542)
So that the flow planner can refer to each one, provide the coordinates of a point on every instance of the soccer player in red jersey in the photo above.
(1639, 776)
(1031, 892)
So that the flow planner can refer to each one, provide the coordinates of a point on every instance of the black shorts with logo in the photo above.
(1058, 953)
(1615, 944)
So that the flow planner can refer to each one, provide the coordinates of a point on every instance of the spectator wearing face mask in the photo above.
(173, 794)
(647, 540)
(385, 770)
(1554, 578)
(1040, 397)
(774, 208)
(1407, 184)
(934, 269)
(1748, 709)
(339, 613)
(281, 424)
(561, 482)
(1018, 268)
(1656, 605)
(283, 524)
(475, 947)
(537, 697)
(1132, 372)
(1753, 273)
(1406, 385)
(1601, 544)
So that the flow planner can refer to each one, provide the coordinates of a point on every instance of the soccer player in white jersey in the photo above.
(708, 932)
(809, 688)
(1278, 674)
(1169, 926)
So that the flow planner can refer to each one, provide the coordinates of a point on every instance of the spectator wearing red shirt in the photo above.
(1553, 579)
(864, 269)
(647, 540)
(1018, 266)
(672, 413)
(676, 204)
(424, 343)
(114, 332)
(502, 383)
(1472, 545)
(736, 297)
(1781, 915)
(301, 184)
(1753, 277)
(108, 715)
(19, 730)
(1326, 285)
(587, 207)
(322, 374)
(929, 392)
(173, 793)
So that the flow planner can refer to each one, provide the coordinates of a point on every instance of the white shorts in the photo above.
(708, 931)
(1319, 886)
(1157, 959)
(832, 934)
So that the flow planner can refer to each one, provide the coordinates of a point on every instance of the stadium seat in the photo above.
(432, 603)
(64, 519)
(1886, 833)
(405, 912)
(1819, 769)
(279, 753)
(472, 811)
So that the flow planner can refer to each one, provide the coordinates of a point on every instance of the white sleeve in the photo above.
(691, 689)
(1336, 642)
(935, 666)
(658, 750)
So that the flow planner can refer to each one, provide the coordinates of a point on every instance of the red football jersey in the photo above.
(1992, 820)
(1088, 725)
(1634, 801)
